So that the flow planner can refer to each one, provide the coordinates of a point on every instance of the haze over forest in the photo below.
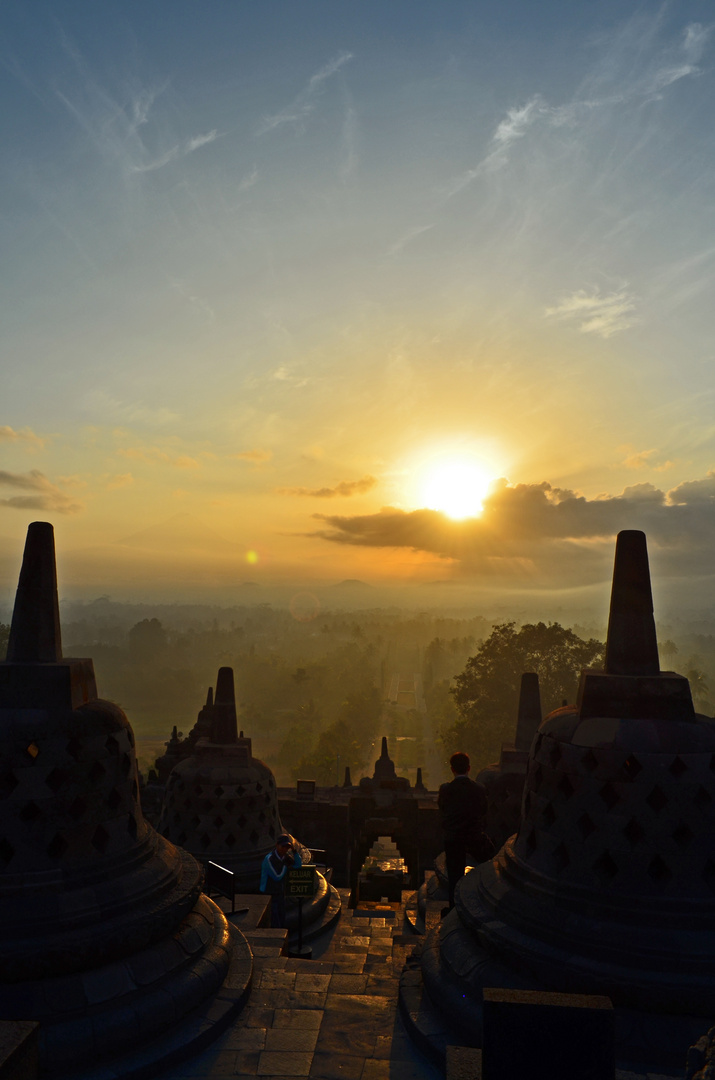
(381, 315)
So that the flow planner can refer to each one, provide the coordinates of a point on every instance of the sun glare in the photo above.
(457, 488)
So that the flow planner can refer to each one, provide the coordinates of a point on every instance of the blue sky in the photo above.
(268, 261)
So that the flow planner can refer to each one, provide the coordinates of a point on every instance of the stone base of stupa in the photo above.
(318, 914)
(441, 994)
(153, 1008)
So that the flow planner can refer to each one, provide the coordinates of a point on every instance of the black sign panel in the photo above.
(301, 882)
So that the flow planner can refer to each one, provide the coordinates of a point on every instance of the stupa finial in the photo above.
(632, 645)
(35, 630)
(529, 715)
(210, 696)
(224, 725)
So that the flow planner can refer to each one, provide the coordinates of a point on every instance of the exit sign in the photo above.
(300, 882)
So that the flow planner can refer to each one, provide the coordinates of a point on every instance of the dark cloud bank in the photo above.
(550, 536)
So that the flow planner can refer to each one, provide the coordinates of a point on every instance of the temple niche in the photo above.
(608, 888)
(105, 936)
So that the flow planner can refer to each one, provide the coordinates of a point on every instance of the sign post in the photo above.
(300, 885)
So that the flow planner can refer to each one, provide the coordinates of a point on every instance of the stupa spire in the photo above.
(529, 715)
(224, 728)
(632, 645)
(35, 629)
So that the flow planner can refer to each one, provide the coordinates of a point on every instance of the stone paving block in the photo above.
(255, 1016)
(312, 981)
(247, 1062)
(309, 967)
(263, 963)
(298, 1018)
(347, 967)
(381, 984)
(347, 1066)
(376, 1069)
(347, 984)
(281, 980)
(292, 1038)
(284, 1063)
(291, 999)
(244, 1038)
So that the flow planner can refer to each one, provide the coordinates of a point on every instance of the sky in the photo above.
(399, 292)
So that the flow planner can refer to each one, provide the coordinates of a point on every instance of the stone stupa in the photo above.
(220, 803)
(609, 886)
(504, 780)
(105, 936)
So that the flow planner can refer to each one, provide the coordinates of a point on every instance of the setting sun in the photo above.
(457, 488)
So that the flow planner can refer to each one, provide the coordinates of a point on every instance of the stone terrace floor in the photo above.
(336, 1016)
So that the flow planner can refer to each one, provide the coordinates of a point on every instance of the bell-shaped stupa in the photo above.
(609, 886)
(220, 802)
(105, 936)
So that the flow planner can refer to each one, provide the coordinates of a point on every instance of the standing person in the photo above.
(273, 875)
(463, 807)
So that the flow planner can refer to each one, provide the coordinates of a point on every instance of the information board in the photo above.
(300, 882)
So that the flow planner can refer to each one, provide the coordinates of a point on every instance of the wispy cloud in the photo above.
(24, 435)
(196, 301)
(596, 314)
(284, 374)
(408, 237)
(121, 123)
(631, 72)
(153, 455)
(345, 489)
(44, 494)
(256, 457)
(100, 402)
(180, 150)
(300, 109)
(121, 480)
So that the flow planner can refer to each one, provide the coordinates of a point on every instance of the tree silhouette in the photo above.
(487, 691)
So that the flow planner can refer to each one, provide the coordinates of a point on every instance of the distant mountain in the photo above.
(182, 532)
(351, 583)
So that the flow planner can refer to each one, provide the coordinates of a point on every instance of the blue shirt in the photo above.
(273, 871)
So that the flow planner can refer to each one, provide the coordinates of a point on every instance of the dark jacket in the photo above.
(463, 807)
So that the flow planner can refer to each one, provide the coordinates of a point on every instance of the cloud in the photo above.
(633, 69)
(594, 313)
(121, 480)
(408, 237)
(44, 494)
(345, 489)
(24, 435)
(300, 109)
(180, 150)
(153, 455)
(638, 459)
(256, 457)
(555, 535)
(283, 374)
